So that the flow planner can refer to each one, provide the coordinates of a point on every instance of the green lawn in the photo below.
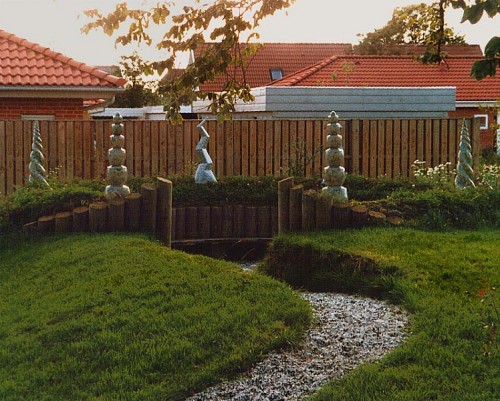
(446, 280)
(119, 317)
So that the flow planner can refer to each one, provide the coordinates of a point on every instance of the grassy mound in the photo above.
(115, 317)
(447, 281)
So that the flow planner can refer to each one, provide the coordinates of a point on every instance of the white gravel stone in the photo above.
(349, 331)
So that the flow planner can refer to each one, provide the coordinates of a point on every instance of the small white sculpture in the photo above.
(204, 173)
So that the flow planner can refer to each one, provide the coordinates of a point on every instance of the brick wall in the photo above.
(62, 109)
(488, 135)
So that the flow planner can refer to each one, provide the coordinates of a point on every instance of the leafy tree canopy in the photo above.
(138, 92)
(418, 24)
(473, 12)
(220, 21)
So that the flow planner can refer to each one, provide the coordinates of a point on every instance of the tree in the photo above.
(418, 24)
(220, 21)
(473, 12)
(138, 92)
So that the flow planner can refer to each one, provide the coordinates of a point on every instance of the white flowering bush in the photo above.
(489, 176)
(442, 175)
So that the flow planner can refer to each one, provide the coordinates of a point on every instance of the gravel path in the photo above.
(350, 330)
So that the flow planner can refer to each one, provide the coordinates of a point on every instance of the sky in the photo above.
(56, 24)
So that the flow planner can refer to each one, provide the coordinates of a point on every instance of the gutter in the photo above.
(85, 92)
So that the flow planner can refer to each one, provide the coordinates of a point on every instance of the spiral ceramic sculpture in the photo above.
(334, 174)
(117, 173)
(464, 165)
(37, 172)
(204, 173)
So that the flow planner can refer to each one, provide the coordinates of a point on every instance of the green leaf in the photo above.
(484, 68)
(492, 48)
(492, 7)
(473, 14)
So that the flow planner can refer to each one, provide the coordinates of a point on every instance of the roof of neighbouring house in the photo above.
(28, 64)
(418, 50)
(396, 71)
(287, 57)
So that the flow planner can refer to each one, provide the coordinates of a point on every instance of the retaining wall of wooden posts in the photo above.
(301, 211)
(78, 149)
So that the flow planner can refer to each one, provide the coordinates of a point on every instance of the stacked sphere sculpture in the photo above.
(334, 174)
(117, 173)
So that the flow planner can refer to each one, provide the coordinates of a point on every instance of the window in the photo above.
(276, 73)
(483, 118)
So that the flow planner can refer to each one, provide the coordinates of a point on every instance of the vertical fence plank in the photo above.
(146, 149)
(294, 150)
(70, 150)
(128, 133)
(252, 150)
(317, 168)
(51, 128)
(365, 162)
(285, 147)
(373, 149)
(309, 148)
(420, 139)
(453, 143)
(228, 148)
(428, 143)
(277, 160)
(18, 153)
(9, 140)
(475, 131)
(162, 149)
(237, 148)
(3, 160)
(389, 140)
(396, 149)
(245, 148)
(412, 148)
(354, 137)
(87, 149)
(436, 130)
(27, 141)
(77, 148)
(155, 132)
(219, 150)
(381, 153)
(269, 169)
(261, 148)
(137, 147)
(405, 137)
(443, 147)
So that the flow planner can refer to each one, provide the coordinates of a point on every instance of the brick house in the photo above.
(38, 83)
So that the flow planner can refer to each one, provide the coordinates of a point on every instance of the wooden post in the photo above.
(164, 213)
(323, 212)
(133, 212)
(227, 221)
(359, 216)
(98, 215)
(264, 229)
(81, 219)
(308, 212)
(116, 214)
(149, 203)
(191, 222)
(180, 223)
(376, 217)
(30, 228)
(46, 224)
(295, 210)
(341, 215)
(216, 222)
(250, 222)
(204, 221)
(239, 221)
(63, 222)
(284, 204)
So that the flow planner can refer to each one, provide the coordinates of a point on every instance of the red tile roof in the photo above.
(24, 63)
(450, 50)
(396, 71)
(289, 57)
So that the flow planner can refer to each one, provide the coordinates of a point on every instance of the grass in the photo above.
(447, 281)
(118, 317)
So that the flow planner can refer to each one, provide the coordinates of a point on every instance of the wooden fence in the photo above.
(78, 149)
